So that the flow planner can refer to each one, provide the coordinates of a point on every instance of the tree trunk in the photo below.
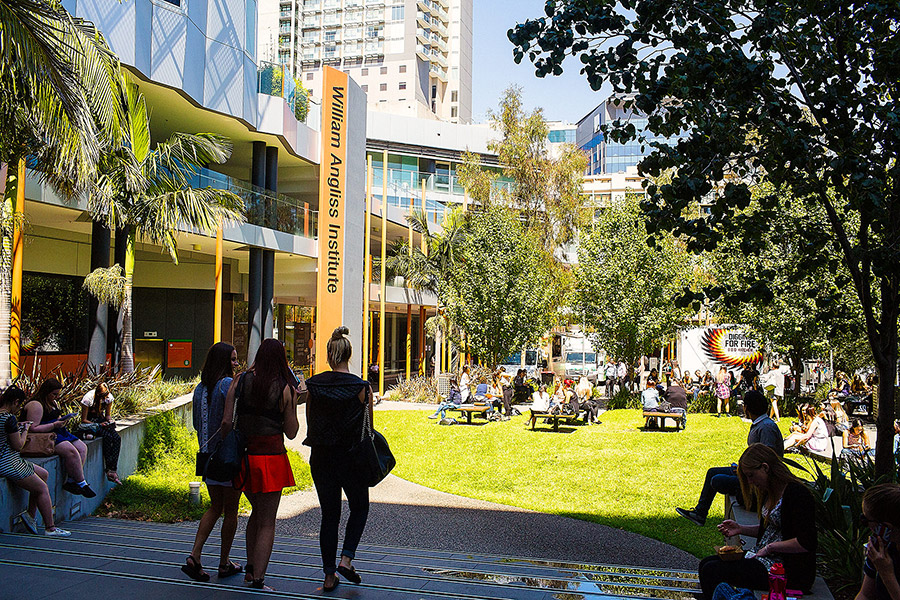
(127, 361)
(796, 373)
(118, 314)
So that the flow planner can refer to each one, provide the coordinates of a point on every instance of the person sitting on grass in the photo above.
(856, 442)
(724, 480)
(881, 571)
(786, 532)
(454, 400)
(20, 472)
(814, 437)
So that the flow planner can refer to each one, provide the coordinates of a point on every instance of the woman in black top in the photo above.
(266, 411)
(334, 415)
(786, 532)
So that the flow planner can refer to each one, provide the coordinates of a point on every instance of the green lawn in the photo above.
(614, 473)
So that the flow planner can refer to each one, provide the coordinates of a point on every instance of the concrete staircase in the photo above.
(109, 558)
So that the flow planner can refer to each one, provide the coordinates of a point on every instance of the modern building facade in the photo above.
(411, 57)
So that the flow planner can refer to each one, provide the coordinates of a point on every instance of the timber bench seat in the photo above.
(678, 417)
(555, 418)
(473, 409)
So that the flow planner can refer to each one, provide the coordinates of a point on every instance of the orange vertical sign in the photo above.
(332, 211)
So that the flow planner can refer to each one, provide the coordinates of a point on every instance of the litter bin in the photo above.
(443, 384)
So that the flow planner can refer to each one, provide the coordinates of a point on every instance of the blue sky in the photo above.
(564, 98)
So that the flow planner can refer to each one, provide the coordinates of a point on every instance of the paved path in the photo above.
(410, 515)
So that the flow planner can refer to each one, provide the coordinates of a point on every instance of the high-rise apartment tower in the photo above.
(412, 57)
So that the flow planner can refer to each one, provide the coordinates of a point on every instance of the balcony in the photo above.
(439, 58)
(439, 12)
(437, 71)
(423, 20)
(439, 27)
(424, 6)
(270, 80)
(423, 52)
(264, 208)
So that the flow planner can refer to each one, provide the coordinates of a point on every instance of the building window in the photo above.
(365, 72)
(309, 76)
(454, 96)
(403, 68)
(397, 13)
(382, 87)
(365, 88)
(384, 70)
(330, 35)
(454, 112)
(175, 2)
(402, 85)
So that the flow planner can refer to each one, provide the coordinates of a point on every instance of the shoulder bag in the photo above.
(38, 445)
(203, 452)
(371, 457)
(225, 461)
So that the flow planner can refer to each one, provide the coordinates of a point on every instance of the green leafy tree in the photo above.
(58, 93)
(805, 303)
(545, 190)
(501, 290)
(149, 192)
(627, 289)
(815, 83)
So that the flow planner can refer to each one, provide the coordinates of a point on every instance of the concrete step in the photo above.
(116, 550)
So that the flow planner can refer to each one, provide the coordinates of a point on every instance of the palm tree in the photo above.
(57, 105)
(149, 192)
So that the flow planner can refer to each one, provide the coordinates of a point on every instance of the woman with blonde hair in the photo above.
(339, 403)
(786, 532)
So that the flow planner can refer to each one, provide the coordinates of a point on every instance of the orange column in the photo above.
(15, 324)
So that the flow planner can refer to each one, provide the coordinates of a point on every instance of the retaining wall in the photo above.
(69, 507)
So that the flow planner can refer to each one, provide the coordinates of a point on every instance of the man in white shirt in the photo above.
(611, 372)
(621, 374)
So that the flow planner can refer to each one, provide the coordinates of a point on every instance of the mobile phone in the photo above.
(66, 417)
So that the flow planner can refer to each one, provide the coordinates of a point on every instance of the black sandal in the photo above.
(230, 568)
(194, 570)
(248, 574)
(328, 588)
(260, 584)
(349, 574)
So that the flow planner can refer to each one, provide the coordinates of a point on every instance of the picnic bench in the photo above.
(473, 409)
(678, 417)
(556, 418)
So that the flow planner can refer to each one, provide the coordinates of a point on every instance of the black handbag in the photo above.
(372, 457)
(225, 461)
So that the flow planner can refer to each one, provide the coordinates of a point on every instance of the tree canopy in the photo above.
(626, 288)
(802, 94)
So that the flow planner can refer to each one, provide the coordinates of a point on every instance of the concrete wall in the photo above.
(68, 507)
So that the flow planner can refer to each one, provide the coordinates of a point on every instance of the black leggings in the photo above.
(745, 573)
(112, 443)
(331, 473)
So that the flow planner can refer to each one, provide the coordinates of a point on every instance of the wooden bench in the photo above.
(679, 418)
(556, 418)
(473, 409)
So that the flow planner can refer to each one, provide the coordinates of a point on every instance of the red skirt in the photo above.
(265, 469)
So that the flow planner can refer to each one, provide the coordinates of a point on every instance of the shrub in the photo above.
(624, 399)
(705, 403)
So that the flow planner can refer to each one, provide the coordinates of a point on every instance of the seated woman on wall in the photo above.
(96, 407)
(881, 571)
(44, 409)
(786, 532)
(856, 442)
(31, 478)
(840, 388)
(815, 435)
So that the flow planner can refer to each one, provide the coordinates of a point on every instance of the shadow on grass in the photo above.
(549, 429)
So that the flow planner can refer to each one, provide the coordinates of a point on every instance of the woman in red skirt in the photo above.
(266, 399)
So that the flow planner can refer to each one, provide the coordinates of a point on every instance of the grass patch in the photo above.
(614, 474)
(159, 491)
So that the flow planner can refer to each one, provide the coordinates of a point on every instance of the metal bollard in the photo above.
(195, 492)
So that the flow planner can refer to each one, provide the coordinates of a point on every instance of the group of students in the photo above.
(567, 398)
(42, 413)
(262, 404)
(786, 531)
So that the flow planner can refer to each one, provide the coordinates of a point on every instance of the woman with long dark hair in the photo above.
(96, 420)
(30, 477)
(208, 409)
(334, 415)
(44, 409)
(266, 409)
(786, 532)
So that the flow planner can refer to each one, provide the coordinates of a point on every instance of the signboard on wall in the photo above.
(341, 212)
(178, 354)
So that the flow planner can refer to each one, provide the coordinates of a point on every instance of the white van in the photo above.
(530, 360)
